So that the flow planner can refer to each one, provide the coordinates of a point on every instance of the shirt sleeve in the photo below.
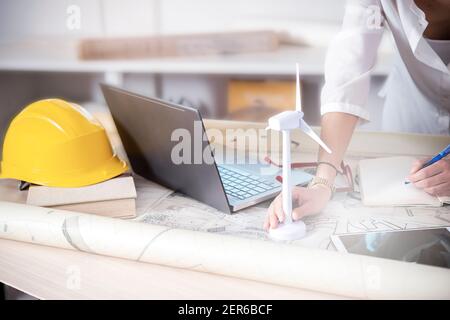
(350, 59)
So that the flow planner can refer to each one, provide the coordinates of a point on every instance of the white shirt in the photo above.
(417, 91)
(442, 48)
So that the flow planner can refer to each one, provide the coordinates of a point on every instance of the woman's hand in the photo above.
(434, 179)
(310, 201)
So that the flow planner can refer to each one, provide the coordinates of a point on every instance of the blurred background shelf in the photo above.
(37, 57)
(38, 52)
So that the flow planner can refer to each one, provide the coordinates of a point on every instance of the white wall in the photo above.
(25, 19)
(202, 15)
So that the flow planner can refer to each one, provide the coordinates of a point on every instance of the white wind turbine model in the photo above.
(285, 122)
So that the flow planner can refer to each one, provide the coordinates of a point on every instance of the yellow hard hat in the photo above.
(58, 144)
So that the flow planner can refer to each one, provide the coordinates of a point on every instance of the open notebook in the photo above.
(381, 182)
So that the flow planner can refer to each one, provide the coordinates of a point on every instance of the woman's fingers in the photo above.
(442, 189)
(275, 213)
(427, 172)
(417, 165)
(313, 200)
(279, 212)
(273, 221)
(302, 211)
(309, 201)
(300, 195)
(433, 181)
(270, 212)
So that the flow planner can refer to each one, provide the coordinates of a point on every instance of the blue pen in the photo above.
(436, 158)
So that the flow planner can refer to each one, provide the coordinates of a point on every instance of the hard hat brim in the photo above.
(112, 168)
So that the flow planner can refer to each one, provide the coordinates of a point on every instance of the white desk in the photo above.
(45, 272)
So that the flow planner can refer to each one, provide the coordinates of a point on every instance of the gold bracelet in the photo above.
(322, 181)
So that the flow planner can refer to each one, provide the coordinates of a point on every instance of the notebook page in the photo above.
(382, 184)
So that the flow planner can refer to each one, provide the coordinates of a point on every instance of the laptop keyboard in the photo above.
(243, 185)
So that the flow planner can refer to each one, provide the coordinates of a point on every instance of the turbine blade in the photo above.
(298, 102)
(309, 131)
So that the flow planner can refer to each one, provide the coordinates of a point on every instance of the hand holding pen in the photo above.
(433, 175)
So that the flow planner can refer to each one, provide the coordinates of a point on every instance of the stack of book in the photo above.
(114, 198)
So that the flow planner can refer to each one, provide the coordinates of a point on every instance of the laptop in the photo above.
(150, 129)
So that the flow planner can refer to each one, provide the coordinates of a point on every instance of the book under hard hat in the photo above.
(113, 198)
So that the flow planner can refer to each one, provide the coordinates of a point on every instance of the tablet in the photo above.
(426, 246)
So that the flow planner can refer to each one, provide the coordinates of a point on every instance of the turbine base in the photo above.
(291, 231)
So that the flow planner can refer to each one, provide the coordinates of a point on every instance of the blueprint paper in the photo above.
(344, 214)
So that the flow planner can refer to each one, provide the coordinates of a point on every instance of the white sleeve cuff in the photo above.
(353, 109)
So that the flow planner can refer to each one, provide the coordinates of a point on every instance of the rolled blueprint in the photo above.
(277, 263)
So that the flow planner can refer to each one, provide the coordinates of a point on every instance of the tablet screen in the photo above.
(425, 246)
